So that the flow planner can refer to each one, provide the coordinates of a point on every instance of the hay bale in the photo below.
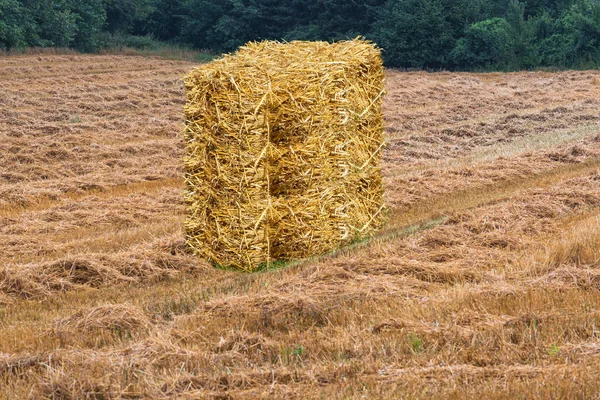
(283, 146)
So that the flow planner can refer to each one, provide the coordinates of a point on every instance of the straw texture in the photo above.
(283, 146)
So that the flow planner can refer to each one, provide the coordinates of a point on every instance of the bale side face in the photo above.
(283, 146)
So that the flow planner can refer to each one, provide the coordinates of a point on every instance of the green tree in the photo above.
(583, 23)
(15, 23)
(342, 19)
(462, 13)
(165, 21)
(91, 18)
(487, 44)
(241, 24)
(573, 40)
(199, 22)
(466, 34)
(414, 33)
(532, 7)
(522, 35)
(126, 15)
(55, 24)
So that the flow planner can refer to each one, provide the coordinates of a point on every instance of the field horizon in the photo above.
(485, 282)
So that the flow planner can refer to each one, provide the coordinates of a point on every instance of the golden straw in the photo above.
(283, 150)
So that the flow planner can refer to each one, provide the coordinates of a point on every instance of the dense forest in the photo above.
(432, 34)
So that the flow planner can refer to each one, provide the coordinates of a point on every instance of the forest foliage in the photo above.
(423, 34)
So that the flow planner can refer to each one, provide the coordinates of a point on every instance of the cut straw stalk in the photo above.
(283, 147)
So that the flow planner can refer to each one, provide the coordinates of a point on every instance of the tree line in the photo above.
(424, 34)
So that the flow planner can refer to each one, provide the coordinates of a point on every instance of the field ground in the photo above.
(486, 282)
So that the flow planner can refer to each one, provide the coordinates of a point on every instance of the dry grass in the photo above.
(484, 284)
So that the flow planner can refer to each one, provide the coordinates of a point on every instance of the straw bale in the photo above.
(283, 146)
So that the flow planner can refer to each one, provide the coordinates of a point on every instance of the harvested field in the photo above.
(485, 282)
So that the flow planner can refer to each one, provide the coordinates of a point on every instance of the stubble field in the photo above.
(485, 282)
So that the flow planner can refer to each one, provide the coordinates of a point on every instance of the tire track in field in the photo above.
(428, 214)
(488, 118)
(45, 203)
(479, 195)
(102, 71)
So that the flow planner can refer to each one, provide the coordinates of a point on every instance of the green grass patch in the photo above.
(148, 46)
